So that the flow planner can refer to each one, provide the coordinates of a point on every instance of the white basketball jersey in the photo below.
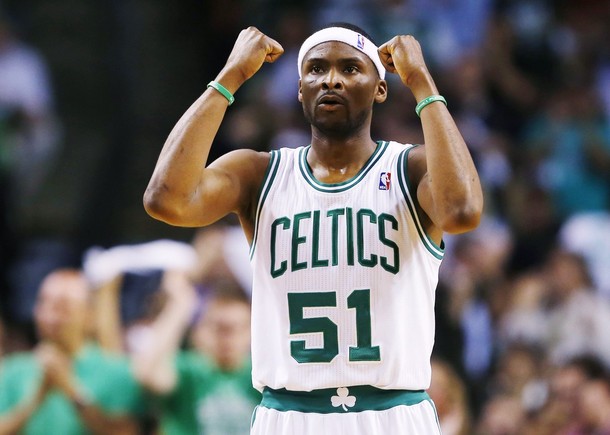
(344, 278)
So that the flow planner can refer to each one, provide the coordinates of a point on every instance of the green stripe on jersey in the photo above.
(345, 185)
(274, 163)
(411, 199)
(340, 400)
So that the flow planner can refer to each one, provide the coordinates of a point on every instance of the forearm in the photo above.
(153, 366)
(452, 178)
(181, 188)
(448, 186)
(184, 156)
(99, 422)
(96, 419)
(15, 420)
(107, 316)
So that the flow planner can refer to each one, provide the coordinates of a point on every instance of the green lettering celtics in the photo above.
(303, 231)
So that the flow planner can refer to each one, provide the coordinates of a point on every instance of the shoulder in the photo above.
(94, 360)
(18, 372)
(18, 366)
(250, 158)
(109, 379)
(193, 363)
(248, 165)
(17, 362)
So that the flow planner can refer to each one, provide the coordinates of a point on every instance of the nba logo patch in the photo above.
(360, 42)
(385, 180)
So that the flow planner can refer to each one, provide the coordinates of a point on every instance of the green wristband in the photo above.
(431, 99)
(224, 91)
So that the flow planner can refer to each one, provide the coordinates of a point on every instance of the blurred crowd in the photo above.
(523, 302)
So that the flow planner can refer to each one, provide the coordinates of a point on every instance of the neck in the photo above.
(72, 345)
(337, 159)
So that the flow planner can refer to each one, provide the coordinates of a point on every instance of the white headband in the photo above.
(346, 36)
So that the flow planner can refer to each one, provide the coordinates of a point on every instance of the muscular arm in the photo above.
(153, 366)
(182, 190)
(448, 186)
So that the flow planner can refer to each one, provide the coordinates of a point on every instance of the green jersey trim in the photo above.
(271, 172)
(340, 400)
(411, 199)
(345, 185)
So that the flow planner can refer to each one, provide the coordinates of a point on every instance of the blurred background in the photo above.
(89, 91)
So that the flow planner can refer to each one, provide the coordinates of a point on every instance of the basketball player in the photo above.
(345, 233)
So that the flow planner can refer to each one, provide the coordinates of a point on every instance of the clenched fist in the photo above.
(402, 55)
(252, 48)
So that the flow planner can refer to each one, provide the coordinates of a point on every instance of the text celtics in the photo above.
(298, 242)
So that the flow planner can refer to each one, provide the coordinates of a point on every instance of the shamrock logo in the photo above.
(343, 399)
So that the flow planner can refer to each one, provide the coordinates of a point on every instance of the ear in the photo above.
(382, 91)
(300, 96)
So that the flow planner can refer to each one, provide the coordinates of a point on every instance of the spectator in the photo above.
(502, 415)
(66, 383)
(28, 130)
(588, 235)
(126, 279)
(566, 384)
(579, 318)
(448, 392)
(222, 257)
(559, 310)
(594, 407)
(517, 371)
(28, 142)
(525, 317)
(207, 389)
(568, 148)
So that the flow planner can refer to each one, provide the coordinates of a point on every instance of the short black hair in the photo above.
(590, 364)
(350, 26)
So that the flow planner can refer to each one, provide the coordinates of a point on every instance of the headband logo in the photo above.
(360, 42)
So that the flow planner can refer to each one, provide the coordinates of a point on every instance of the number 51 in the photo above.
(359, 300)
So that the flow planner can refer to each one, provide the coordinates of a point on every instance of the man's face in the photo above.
(61, 307)
(224, 332)
(338, 87)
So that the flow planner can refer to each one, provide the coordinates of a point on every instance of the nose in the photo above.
(332, 80)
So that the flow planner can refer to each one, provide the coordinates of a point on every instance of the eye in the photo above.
(351, 69)
(316, 69)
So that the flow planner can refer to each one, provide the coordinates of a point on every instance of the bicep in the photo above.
(227, 186)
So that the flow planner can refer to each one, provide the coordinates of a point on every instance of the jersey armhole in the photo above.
(270, 173)
(410, 195)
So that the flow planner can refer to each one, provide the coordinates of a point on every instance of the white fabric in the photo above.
(101, 265)
(235, 251)
(347, 36)
(588, 234)
(342, 226)
(417, 419)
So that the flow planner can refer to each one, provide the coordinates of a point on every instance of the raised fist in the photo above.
(403, 55)
(252, 48)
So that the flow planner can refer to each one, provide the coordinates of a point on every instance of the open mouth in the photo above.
(330, 100)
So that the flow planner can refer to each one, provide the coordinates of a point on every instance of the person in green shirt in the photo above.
(208, 389)
(66, 385)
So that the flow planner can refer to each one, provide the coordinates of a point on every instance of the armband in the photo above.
(223, 91)
(431, 99)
